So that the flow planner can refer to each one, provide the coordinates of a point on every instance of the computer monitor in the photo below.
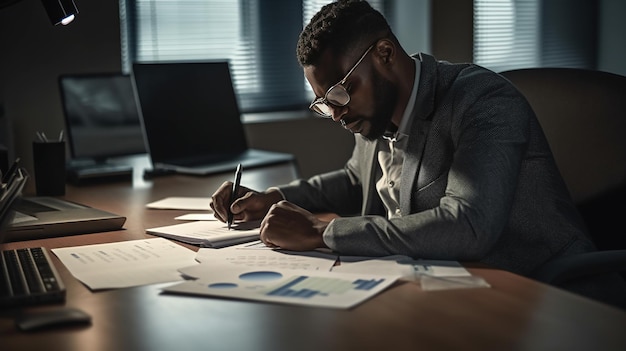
(101, 118)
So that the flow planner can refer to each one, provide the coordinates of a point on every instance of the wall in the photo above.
(411, 24)
(612, 45)
(34, 54)
(452, 30)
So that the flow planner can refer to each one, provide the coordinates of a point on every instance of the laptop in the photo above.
(27, 275)
(45, 217)
(102, 124)
(191, 119)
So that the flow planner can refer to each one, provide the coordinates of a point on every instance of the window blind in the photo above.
(511, 34)
(258, 44)
(506, 34)
(257, 37)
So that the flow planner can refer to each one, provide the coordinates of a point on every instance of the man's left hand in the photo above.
(291, 227)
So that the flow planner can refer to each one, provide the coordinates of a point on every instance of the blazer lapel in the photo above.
(422, 114)
(370, 165)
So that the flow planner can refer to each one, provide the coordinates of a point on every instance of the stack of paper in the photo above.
(204, 230)
(253, 271)
(209, 233)
(256, 272)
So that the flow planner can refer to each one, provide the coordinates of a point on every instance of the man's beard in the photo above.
(385, 101)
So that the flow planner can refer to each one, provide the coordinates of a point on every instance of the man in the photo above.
(450, 161)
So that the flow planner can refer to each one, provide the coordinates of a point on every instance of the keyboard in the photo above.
(101, 171)
(27, 276)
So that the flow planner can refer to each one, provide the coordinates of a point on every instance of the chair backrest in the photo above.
(583, 114)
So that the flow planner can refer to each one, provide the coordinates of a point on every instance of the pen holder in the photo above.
(49, 165)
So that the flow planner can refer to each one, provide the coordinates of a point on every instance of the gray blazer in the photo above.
(479, 182)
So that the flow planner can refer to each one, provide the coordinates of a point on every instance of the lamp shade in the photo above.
(60, 11)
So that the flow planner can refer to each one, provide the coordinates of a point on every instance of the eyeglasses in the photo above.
(336, 95)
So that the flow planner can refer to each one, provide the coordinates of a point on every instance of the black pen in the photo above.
(233, 195)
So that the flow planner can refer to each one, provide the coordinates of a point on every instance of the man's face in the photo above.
(372, 96)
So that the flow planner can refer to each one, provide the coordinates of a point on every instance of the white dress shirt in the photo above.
(391, 156)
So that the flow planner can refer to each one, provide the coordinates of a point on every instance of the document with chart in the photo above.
(310, 288)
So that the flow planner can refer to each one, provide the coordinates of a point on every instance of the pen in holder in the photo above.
(49, 165)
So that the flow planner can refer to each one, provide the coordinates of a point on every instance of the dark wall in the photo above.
(570, 28)
(452, 30)
(34, 54)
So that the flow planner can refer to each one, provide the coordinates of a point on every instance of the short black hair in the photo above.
(340, 26)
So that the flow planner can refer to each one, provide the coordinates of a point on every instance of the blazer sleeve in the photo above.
(337, 192)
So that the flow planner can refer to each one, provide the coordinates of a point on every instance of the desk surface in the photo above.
(515, 314)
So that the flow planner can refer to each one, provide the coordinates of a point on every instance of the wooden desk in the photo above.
(515, 314)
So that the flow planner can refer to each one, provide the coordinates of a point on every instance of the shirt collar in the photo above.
(405, 123)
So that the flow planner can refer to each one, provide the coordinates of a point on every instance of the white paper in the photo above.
(209, 233)
(405, 266)
(182, 203)
(197, 217)
(432, 283)
(126, 263)
(248, 255)
(254, 245)
(431, 274)
(310, 288)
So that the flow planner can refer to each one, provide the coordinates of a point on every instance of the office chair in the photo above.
(583, 114)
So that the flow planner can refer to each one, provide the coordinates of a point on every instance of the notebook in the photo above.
(191, 119)
(27, 276)
(44, 217)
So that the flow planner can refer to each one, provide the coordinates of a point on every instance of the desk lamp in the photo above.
(59, 11)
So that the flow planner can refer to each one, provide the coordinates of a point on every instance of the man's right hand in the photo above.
(250, 205)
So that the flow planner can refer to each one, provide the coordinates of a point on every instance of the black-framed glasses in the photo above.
(336, 95)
